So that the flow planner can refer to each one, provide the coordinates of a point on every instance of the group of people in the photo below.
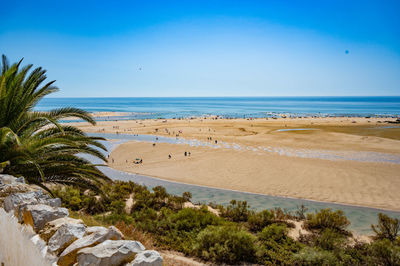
(185, 153)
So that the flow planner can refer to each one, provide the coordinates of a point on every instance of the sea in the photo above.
(231, 107)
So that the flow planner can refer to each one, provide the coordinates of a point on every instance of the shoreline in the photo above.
(261, 194)
(298, 167)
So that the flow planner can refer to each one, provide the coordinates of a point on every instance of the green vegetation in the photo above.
(34, 144)
(327, 219)
(387, 228)
(238, 235)
(226, 243)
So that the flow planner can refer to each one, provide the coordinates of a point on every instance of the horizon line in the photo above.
(297, 96)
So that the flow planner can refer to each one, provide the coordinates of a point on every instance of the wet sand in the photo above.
(372, 184)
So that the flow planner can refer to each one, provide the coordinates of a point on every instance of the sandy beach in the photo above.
(365, 180)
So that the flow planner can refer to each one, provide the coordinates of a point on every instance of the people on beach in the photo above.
(185, 153)
(169, 156)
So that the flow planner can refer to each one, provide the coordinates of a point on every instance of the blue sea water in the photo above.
(142, 108)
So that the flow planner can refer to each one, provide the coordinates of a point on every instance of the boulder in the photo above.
(68, 256)
(38, 215)
(64, 236)
(51, 227)
(11, 180)
(96, 229)
(147, 258)
(18, 201)
(109, 253)
(7, 189)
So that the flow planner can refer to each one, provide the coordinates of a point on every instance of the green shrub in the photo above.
(385, 253)
(326, 218)
(275, 232)
(178, 230)
(186, 196)
(117, 206)
(314, 256)
(257, 221)
(301, 212)
(237, 211)
(330, 239)
(386, 228)
(225, 244)
(275, 246)
(114, 218)
(175, 230)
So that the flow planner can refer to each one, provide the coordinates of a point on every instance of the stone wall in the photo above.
(56, 239)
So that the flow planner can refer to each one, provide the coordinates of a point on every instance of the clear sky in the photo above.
(208, 48)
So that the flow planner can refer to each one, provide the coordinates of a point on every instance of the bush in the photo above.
(175, 230)
(327, 219)
(186, 196)
(237, 211)
(385, 253)
(275, 232)
(386, 228)
(301, 212)
(114, 218)
(276, 247)
(225, 244)
(330, 240)
(314, 256)
(259, 220)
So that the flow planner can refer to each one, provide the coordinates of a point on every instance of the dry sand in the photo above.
(373, 184)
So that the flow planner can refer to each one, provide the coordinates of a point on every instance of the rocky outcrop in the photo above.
(110, 252)
(68, 256)
(10, 185)
(65, 235)
(147, 258)
(18, 201)
(38, 215)
(51, 227)
(62, 240)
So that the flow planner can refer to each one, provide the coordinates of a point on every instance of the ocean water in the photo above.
(142, 108)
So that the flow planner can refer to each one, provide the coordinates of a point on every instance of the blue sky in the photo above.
(208, 48)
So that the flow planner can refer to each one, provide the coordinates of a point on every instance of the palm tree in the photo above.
(34, 144)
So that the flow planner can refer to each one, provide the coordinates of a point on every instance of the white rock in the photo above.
(51, 227)
(18, 201)
(65, 235)
(96, 229)
(38, 215)
(12, 201)
(9, 179)
(68, 256)
(110, 252)
(147, 258)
